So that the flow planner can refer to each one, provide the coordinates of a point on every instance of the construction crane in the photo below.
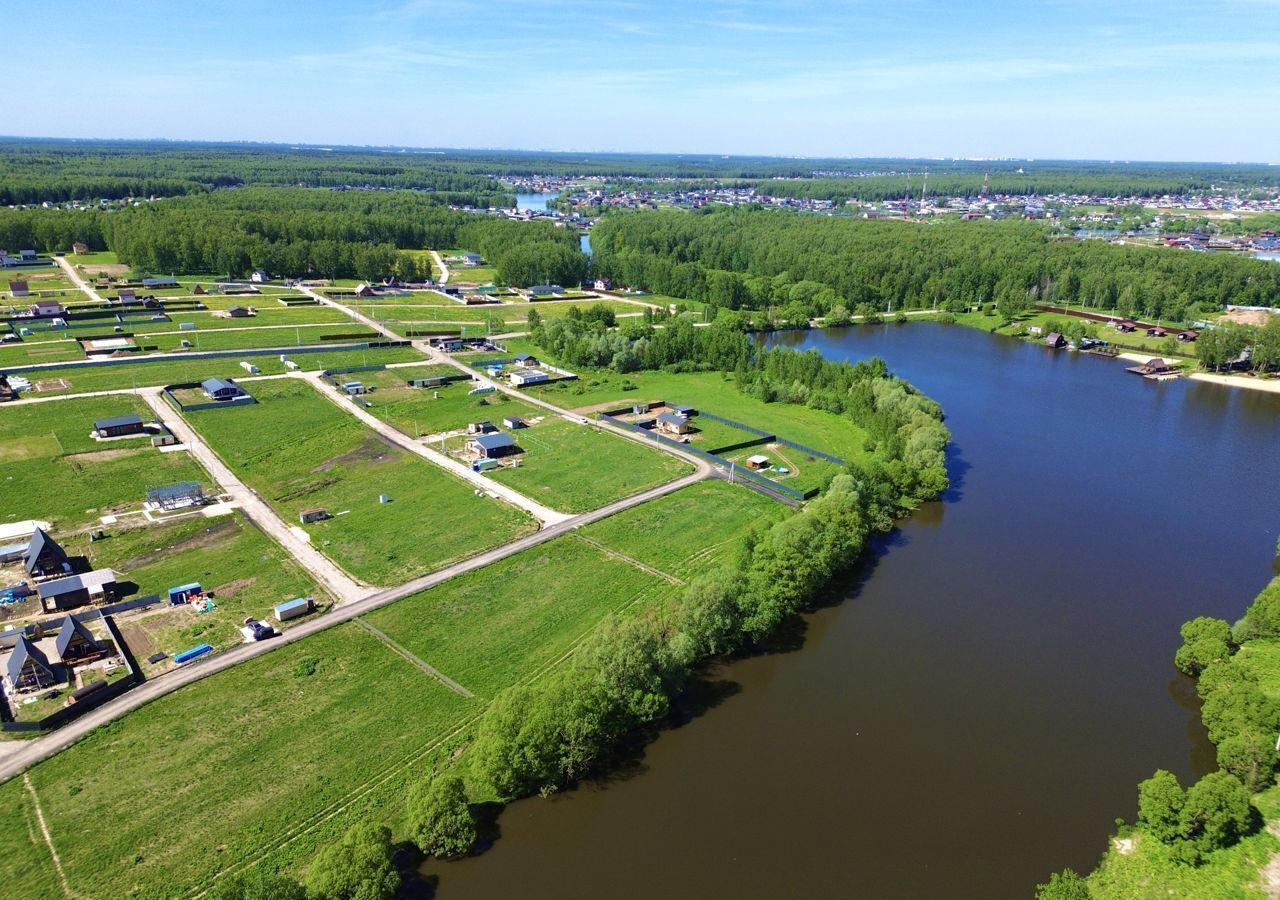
(986, 178)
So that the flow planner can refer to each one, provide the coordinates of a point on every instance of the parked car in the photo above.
(259, 630)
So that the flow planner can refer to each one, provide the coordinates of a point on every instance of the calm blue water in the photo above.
(584, 243)
(535, 202)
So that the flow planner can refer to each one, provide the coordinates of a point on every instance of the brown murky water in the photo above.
(981, 707)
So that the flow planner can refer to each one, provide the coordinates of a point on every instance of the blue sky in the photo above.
(1124, 79)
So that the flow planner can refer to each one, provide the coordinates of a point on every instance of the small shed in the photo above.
(119, 426)
(352, 388)
(480, 428)
(757, 462)
(492, 446)
(673, 423)
(1055, 341)
(292, 609)
(1188, 336)
(127, 296)
(259, 276)
(241, 312)
(1126, 326)
(79, 248)
(527, 377)
(316, 514)
(185, 593)
(19, 289)
(513, 422)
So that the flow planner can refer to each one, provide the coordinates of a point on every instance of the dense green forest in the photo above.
(35, 171)
(299, 232)
(753, 258)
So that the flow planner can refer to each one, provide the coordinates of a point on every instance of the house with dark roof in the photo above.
(160, 281)
(27, 256)
(28, 668)
(222, 389)
(1055, 341)
(241, 312)
(19, 289)
(1188, 336)
(526, 359)
(1126, 326)
(119, 426)
(75, 642)
(98, 586)
(1155, 368)
(491, 446)
(545, 290)
(79, 248)
(259, 276)
(44, 557)
(127, 296)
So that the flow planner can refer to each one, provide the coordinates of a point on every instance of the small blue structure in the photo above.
(183, 593)
(187, 656)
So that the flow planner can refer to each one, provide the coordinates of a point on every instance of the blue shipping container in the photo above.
(193, 653)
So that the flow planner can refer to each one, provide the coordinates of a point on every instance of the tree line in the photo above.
(54, 171)
(299, 232)
(752, 258)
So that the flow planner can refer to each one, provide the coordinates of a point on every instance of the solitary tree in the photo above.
(440, 820)
(1160, 802)
(1204, 640)
(358, 868)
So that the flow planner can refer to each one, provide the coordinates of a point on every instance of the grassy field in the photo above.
(489, 628)
(246, 572)
(577, 468)
(209, 775)
(418, 411)
(272, 746)
(299, 450)
(249, 338)
(686, 532)
(280, 755)
(715, 393)
(80, 379)
(54, 470)
(38, 278)
(34, 352)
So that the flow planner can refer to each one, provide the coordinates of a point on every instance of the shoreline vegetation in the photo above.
(1219, 837)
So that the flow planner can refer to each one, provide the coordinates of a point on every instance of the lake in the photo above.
(536, 202)
(980, 708)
